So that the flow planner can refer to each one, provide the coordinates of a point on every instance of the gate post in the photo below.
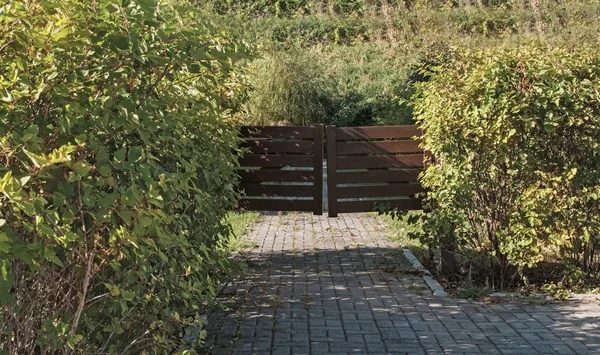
(331, 171)
(318, 169)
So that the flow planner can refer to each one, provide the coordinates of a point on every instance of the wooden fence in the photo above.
(283, 170)
(369, 167)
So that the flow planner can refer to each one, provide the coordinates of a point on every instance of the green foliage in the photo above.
(277, 8)
(515, 133)
(118, 165)
(557, 290)
(240, 222)
(473, 292)
(487, 22)
(311, 30)
(300, 87)
(401, 228)
(289, 88)
(372, 88)
(293, 8)
(366, 55)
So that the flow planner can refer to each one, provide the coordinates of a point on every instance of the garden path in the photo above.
(319, 285)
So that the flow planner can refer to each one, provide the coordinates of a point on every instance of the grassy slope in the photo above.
(364, 57)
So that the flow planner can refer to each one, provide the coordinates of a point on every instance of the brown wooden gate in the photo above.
(283, 170)
(371, 167)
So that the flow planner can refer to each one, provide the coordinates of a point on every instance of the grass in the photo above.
(240, 223)
(400, 230)
(473, 292)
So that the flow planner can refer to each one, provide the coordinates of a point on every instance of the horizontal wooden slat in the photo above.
(288, 132)
(276, 176)
(275, 205)
(256, 189)
(374, 147)
(367, 206)
(382, 161)
(276, 160)
(391, 190)
(378, 176)
(379, 132)
(267, 146)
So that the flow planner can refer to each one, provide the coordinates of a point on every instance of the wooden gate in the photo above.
(283, 170)
(371, 167)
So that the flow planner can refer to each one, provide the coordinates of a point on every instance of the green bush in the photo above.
(277, 8)
(371, 84)
(515, 134)
(487, 22)
(118, 161)
(289, 88)
(312, 30)
(303, 87)
(361, 109)
(291, 8)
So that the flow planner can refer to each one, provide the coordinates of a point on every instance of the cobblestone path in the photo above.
(319, 285)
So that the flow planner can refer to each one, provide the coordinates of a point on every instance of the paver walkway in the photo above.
(335, 286)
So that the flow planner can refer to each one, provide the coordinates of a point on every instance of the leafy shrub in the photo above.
(352, 110)
(471, 292)
(277, 8)
(289, 88)
(117, 169)
(311, 30)
(487, 22)
(515, 133)
(355, 7)
(291, 8)
(372, 85)
(356, 109)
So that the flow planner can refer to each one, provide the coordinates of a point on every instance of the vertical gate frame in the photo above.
(318, 169)
(331, 172)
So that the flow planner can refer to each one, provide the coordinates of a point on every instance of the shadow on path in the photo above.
(337, 286)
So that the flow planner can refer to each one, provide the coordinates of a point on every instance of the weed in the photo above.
(473, 292)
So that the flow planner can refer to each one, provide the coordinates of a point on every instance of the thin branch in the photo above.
(153, 86)
(86, 283)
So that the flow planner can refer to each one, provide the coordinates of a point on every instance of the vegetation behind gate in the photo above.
(357, 60)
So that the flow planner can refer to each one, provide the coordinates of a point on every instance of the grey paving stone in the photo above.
(319, 285)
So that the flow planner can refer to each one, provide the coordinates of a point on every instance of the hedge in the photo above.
(517, 180)
(118, 164)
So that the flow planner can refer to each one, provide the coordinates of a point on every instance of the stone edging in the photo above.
(432, 283)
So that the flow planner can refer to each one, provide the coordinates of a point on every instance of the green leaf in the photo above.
(145, 221)
(126, 215)
(105, 170)
(37, 160)
(24, 180)
(128, 295)
(120, 155)
(121, 42)
(74, 340)
(4, 247)
(82, 168)
(113, 289)
(6, 283)
(60, 34)
(147, 5)
(135, 154)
